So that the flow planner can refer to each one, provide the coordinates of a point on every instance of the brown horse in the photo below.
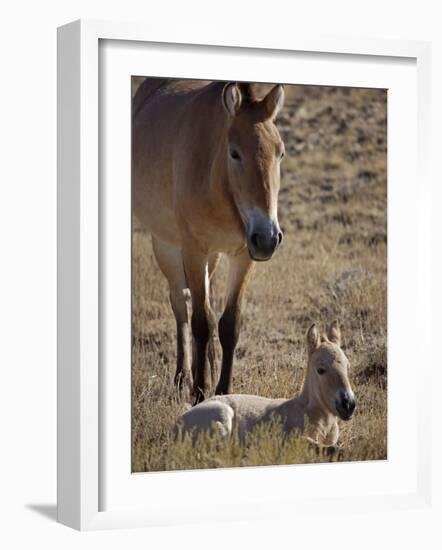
(206, 160)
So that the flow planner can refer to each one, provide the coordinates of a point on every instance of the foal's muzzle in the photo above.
(345, 404)
(262, 240)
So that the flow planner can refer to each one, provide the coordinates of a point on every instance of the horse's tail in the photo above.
(145, 91)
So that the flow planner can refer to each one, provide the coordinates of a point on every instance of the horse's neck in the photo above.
(319, 423)
(307, 413)
(291, 412)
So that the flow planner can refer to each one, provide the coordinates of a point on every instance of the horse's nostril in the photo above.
(348, 404)
(345, 405)
(279, 237)
(264, 242)
(255, 240)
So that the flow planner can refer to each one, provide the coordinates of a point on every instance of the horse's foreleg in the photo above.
(196, 268)
(170, 261)
(230, 322)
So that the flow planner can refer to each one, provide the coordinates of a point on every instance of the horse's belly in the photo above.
(153, 206)
(160, 222)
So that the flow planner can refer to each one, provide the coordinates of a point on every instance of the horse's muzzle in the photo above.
(263, 242)
(345, 404)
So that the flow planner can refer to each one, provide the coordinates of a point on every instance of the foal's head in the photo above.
(328, 372)
(254, 151)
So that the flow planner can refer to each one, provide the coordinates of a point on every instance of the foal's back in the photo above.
(226, 412)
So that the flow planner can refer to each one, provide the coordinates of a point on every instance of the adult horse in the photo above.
(206, 162)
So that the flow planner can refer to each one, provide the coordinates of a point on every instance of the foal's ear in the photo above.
(232, 98)
(274, 101)
(313, 339)
(334, 333)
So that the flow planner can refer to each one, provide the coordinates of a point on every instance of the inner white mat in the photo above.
(245, 491)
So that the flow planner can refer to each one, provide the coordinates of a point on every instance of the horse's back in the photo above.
(162, 89)
(167, 119)
(145, 91)
(157, 108)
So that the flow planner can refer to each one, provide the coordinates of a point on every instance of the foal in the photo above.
(325, 397)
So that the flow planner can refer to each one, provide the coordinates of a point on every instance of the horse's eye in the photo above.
(234, 154)
(282, 155)
(321, 370)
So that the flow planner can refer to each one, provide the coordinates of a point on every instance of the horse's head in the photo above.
(328, 372)
(254, 150)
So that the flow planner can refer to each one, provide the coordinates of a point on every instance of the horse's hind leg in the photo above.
(211, 350)
(170, 261)
(203, 319)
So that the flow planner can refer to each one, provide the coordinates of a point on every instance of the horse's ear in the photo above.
(232, 98)
(274, 101)
(334, 333)
(313, 339)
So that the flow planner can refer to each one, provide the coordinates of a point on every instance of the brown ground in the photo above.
(333, 264)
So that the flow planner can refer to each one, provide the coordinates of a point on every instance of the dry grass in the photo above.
(332, 264)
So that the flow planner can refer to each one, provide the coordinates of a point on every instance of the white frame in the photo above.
(78, 255)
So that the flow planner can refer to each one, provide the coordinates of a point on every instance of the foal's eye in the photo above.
(234, 154)
(321, 370)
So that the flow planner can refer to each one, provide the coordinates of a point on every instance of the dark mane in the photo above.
(247, 92)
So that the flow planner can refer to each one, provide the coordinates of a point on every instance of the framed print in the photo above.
(235, 249)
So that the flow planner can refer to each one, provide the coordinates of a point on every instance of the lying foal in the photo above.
(325, 397)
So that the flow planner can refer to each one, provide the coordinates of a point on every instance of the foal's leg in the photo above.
(230, 322)
(197, 276)
(170, 261)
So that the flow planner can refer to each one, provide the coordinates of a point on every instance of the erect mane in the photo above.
(247, 92)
